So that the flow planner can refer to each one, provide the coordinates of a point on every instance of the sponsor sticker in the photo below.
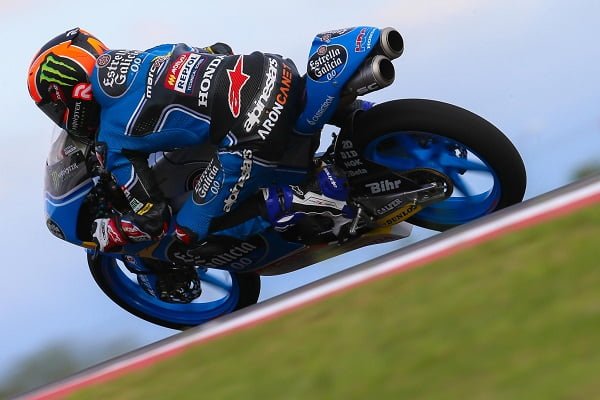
(119, 67)
(209, 183)
(402, 214)
(151, 80)
(181, 73)
(239, 256)
(327, 63)
(245, 170)
(360, 41)
(353, 165)
(58, 71)
(103, 60)
(322, 110)
(206, 81)
(82, 91)
(254, 116)
(384, 186)
(281, 99)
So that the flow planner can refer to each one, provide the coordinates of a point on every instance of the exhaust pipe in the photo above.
(390, 43)
(376, 73)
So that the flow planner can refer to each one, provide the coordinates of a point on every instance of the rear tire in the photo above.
(388, 127)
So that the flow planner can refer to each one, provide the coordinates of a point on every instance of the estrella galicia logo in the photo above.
(238, 255)
(209, 183)
(117, 69)
(103, 60)
(58, 70)
(327, 63)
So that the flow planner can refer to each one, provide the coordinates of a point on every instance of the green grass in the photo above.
(514, 318)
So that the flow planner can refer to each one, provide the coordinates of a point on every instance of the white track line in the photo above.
(561, 201)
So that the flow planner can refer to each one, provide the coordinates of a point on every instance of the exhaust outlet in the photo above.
(377, 72)
(390, 43)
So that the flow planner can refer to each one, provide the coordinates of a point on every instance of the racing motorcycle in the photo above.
(409, 162)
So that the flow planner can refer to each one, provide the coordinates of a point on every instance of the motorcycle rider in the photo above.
(133, 103)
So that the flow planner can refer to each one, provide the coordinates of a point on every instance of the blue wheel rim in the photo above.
(477, 189)
(221, 293)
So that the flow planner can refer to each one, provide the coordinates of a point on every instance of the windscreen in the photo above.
(66, 166)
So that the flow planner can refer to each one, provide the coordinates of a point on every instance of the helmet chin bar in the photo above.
(86, 138)
(82, 119)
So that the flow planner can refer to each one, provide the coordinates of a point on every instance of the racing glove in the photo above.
(107, 235)
(111, 233)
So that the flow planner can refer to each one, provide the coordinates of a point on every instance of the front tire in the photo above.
(235, 291)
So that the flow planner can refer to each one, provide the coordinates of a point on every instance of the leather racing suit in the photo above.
(174, 96)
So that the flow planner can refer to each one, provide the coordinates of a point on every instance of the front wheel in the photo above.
(222, 292)
(486, 170)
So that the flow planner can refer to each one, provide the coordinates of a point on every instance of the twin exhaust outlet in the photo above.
(378, 71)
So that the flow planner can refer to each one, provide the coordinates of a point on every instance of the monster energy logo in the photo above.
(61, 175)
(50, 72)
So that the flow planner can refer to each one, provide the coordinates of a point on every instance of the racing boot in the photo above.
(174, 284)
(313, 213)
(178, 285)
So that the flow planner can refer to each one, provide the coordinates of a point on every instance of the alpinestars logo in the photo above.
(237, 80)
(245, 170)
(57, 70)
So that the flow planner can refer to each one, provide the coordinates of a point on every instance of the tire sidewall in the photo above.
(455, 123)
(249, 286)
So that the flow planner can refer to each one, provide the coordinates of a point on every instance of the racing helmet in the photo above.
(59, 81)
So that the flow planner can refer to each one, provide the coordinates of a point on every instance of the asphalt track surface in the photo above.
(553, 204)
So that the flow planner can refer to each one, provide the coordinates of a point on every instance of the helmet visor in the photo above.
(55, 110)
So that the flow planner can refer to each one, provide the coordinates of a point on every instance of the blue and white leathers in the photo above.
(122, 85)
(175, 96)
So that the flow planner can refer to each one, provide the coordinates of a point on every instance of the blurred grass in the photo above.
(517, 317)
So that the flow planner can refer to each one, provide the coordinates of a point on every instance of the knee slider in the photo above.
(278, 202)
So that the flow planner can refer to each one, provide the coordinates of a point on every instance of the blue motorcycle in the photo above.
(408, 162)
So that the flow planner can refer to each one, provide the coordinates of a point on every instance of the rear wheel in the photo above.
(485, 168)
(222, 292)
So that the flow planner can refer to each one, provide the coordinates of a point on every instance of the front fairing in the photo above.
(66, 185)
